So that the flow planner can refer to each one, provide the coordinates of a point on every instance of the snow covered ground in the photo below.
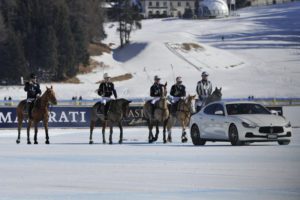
(259, 55)
(70, 168)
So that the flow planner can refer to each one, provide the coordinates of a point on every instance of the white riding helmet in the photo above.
(105, 75)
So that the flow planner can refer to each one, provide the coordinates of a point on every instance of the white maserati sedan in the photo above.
(239, 123)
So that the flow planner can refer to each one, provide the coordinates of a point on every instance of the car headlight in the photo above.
(288, 125)
(246, 125)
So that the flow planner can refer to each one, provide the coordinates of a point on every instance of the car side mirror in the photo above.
(274, 112)
(219, 112)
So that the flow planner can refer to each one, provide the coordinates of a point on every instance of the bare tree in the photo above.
(129, 20)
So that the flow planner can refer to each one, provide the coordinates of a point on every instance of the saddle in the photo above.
(30, 105)
(173, 108)
(102, 107)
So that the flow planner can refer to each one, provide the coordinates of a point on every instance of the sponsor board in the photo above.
(68, 117)
(77, 116)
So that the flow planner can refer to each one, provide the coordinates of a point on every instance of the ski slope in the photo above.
(259, 56)
(70, 168)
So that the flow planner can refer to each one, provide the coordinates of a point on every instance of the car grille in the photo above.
(271, 129)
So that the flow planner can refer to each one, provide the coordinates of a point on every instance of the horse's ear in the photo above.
(47, 87)
(51, 87)
(220, 89)
(216, 88)
(166, 84)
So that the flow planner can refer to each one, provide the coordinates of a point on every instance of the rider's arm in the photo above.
(172, 93)
(38, 89)
(100, 90)
(114, 91)
(26, 88)
(152, 91)
(210, 88)
(183, 92)
(198, 89)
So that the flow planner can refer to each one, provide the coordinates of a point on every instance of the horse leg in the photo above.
(28, 131)
(150, 127)
(92, 125)
(35, 132)
(121, 133)
(164, 131)
(169, 128)
(183, 137)
(157, 131)
(110, 134)
(103, 131)
(19, 129)
(45, 122)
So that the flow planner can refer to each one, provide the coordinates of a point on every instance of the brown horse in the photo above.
(183, 114)
(39, 113)
(118, 110)
(161, 115)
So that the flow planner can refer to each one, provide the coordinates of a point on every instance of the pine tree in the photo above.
(13, 64)
(129, 19)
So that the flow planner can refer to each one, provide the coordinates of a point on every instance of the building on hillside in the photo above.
(213, 9)
(267, 2)
(166, 8)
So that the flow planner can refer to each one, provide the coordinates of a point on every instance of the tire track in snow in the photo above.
(183, 58)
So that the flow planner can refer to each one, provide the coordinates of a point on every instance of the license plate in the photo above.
(272, 136)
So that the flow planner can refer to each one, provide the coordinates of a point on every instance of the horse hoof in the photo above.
(165, 141)
(28, 142)
(169, 139)
(120, 142)
(110, 142)
(104, 142)
(47, 142)
(91, 142)
(35, 142)
(184, 140)
(18, 141)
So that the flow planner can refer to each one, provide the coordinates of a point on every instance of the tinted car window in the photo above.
(244, 108)
(219, 107)
(210, 110)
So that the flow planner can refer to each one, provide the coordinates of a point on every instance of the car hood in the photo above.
(263, 120)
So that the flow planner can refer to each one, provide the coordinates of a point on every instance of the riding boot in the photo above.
(100, 109)
(174, 108)
(106, 107)
(152, 110)
(30, 110)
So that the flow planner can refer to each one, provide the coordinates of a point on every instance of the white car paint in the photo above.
(215, 127)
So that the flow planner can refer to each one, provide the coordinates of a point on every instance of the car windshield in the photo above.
(246, 109)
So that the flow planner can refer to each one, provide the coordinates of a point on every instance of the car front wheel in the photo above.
(195, 135)
(285, 142)
(234, 136)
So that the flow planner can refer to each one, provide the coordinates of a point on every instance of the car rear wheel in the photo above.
(195, 135)
(234, 136)
(285, 142)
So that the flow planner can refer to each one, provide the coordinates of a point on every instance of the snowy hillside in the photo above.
(259, 56)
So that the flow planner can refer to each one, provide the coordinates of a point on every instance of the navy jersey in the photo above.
(156, 90)
(32, 89)
(178, 90)
(106, 89)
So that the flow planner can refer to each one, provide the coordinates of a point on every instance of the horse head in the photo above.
(189, 100)
(164, 92)
(50, 95)
(125, 107)
(217, 93)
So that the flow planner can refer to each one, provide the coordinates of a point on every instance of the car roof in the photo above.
(233, 102)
